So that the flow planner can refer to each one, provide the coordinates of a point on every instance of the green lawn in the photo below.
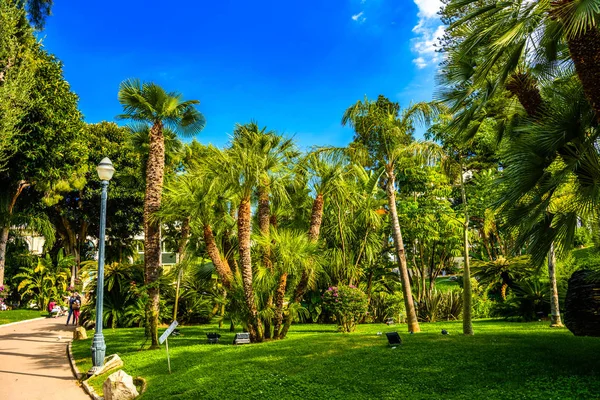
(444, 284)
(502, 361)
(7, 317)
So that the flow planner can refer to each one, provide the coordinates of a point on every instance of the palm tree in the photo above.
(148, 103)
(46, 280)
(273, 154)
(292, 251)
(194, 196)
(505, 35)
(324, 172)
(386, 134)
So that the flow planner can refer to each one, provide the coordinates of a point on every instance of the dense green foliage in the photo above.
(347, 304)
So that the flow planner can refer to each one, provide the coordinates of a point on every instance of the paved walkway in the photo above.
(34, 363)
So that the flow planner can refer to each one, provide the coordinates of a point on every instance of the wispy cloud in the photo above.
(359, 17)
(428, 30)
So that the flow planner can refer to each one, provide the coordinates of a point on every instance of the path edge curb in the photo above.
(88, 389)
(22, 322)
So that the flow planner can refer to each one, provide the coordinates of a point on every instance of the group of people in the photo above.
(74, 308)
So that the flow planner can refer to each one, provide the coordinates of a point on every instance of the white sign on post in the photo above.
(164, 338)
(166, 333)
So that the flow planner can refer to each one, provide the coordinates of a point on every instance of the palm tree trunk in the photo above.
(555, 320)
(467, 291)
(264, 211)
(220, 263)
(524, 86)
(152, 246)
(585, 53)
(244, 228)
(316, 218)
(279, 299)
(411, 315)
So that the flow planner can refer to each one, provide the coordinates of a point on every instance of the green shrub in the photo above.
(438, 305)
(348, 304)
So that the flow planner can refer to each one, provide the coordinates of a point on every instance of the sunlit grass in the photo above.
(6, 317)
(503, 360)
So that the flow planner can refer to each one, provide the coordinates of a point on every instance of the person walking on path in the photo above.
(71, 301)
(76, 311)
(34, 362)
(74, 298)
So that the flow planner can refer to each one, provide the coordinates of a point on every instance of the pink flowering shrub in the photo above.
(348, 304)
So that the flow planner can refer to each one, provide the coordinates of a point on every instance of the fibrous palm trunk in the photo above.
(152, 249)
(585, 53)
(264, 217)
(411, 315)
(467, 292)
(221, 265)
(316, 217)
(244, 215)
(279, 299)
(555, 320)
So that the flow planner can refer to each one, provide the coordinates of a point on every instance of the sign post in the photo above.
(164, 338)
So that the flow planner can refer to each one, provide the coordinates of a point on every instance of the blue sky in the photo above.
(293, 66)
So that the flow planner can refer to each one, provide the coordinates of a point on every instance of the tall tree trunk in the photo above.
(411, 315)
(264, 219)
(244, 229)
(585, 53)
(155, 169)
(555, 320)
(185, 233)
(6, 227)
(220, 263)
(467, 292)
(316, 218)
(3, 243)
(279, 299)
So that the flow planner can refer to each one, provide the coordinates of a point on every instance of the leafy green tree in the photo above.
(76, 216)
(148, 103)
(386, 133)
(48, 155)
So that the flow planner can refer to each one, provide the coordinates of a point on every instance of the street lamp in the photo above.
(105, 173)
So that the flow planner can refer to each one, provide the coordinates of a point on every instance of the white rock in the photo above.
(111, 362)
(119, 386)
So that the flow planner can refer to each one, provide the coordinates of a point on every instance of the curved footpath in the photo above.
(34, 363)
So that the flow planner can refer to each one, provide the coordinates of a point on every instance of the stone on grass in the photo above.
(119, 386)
(111, 362)
(79, 333)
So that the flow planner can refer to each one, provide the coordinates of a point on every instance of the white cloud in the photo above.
(420, 62)
(359, 17)
(427, 30)
(428, 8)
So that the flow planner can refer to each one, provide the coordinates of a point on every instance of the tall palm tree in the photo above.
(274, 155)
(195, 196)
(386, 134)
(148, 103)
